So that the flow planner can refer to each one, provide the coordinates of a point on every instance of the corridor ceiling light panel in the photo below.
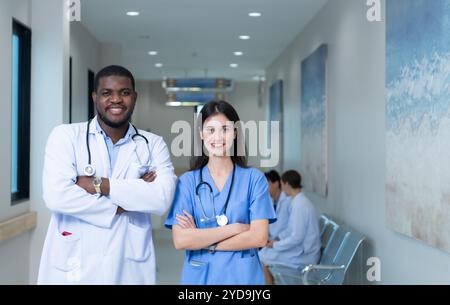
(254, 14)
(197, 85)
(191, 99)
(260, 78)
(132, 14)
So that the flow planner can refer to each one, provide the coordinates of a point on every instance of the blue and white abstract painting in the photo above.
(418, 119)
(314, 167)
(276, 113)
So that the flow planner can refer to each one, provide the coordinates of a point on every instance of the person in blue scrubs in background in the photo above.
(222, 209)
(281, 204)
(299, 244)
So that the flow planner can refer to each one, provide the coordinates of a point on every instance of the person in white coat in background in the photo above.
(102, 180)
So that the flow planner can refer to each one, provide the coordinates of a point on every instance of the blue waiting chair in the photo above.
(334, 263)
(334, 273)
(323, 220)
(333, 235)
(327, 232)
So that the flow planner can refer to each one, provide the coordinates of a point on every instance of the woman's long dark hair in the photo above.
(210, 109)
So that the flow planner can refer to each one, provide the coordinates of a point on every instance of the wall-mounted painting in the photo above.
(313, 157)
(276, 114)
(418, 119)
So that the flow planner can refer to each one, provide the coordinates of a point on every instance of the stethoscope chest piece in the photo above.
(222, 220)
(89, 170)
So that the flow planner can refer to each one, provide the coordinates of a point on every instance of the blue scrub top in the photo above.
(249, 200)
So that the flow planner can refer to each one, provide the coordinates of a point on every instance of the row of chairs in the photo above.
(339, 246)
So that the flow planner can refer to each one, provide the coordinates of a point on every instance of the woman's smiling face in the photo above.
(218, 134)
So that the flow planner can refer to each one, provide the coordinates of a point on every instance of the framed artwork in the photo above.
(276, 113)
(314, 136)
(418, 120)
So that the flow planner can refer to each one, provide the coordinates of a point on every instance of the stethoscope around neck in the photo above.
(221, 219)
(89, 169)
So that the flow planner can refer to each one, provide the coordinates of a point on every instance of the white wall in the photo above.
(356, 87)
(88, 53)
(111, 54)
(13, 252)
(19, 257)
(50, 102)
(85, 51)
(244, 98)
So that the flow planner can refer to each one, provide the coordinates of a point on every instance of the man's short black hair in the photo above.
(293, 178)
(273, 176)
(113, 71)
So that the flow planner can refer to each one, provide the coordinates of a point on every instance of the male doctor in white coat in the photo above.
(101, 183)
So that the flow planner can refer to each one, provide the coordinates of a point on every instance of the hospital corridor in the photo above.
(199, 143)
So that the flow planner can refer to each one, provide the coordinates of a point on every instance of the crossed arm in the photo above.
(87, 184)
(232, 237)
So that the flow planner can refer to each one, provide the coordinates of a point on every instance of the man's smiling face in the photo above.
(115, 100)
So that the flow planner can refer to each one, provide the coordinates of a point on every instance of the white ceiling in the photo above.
(197, 38)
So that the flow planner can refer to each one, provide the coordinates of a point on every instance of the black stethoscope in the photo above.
(221, 219)
(89, 169)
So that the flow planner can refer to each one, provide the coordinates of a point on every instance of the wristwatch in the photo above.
(212, 248)
(97, 183)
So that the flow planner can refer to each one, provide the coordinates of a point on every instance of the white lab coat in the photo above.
(282, 212)
(104, 248)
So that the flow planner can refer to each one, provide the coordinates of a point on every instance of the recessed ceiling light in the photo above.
(238, 53)
(133, 13)
(159, 65)
(254, 14)
(234, 65)
(153, 53)
(244, 37)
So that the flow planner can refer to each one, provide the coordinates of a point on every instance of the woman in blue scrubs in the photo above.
(222, 209)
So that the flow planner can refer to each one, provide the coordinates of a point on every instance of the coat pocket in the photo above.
(138, 243)
(66, 252)
(195, 273)
(250, 270)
